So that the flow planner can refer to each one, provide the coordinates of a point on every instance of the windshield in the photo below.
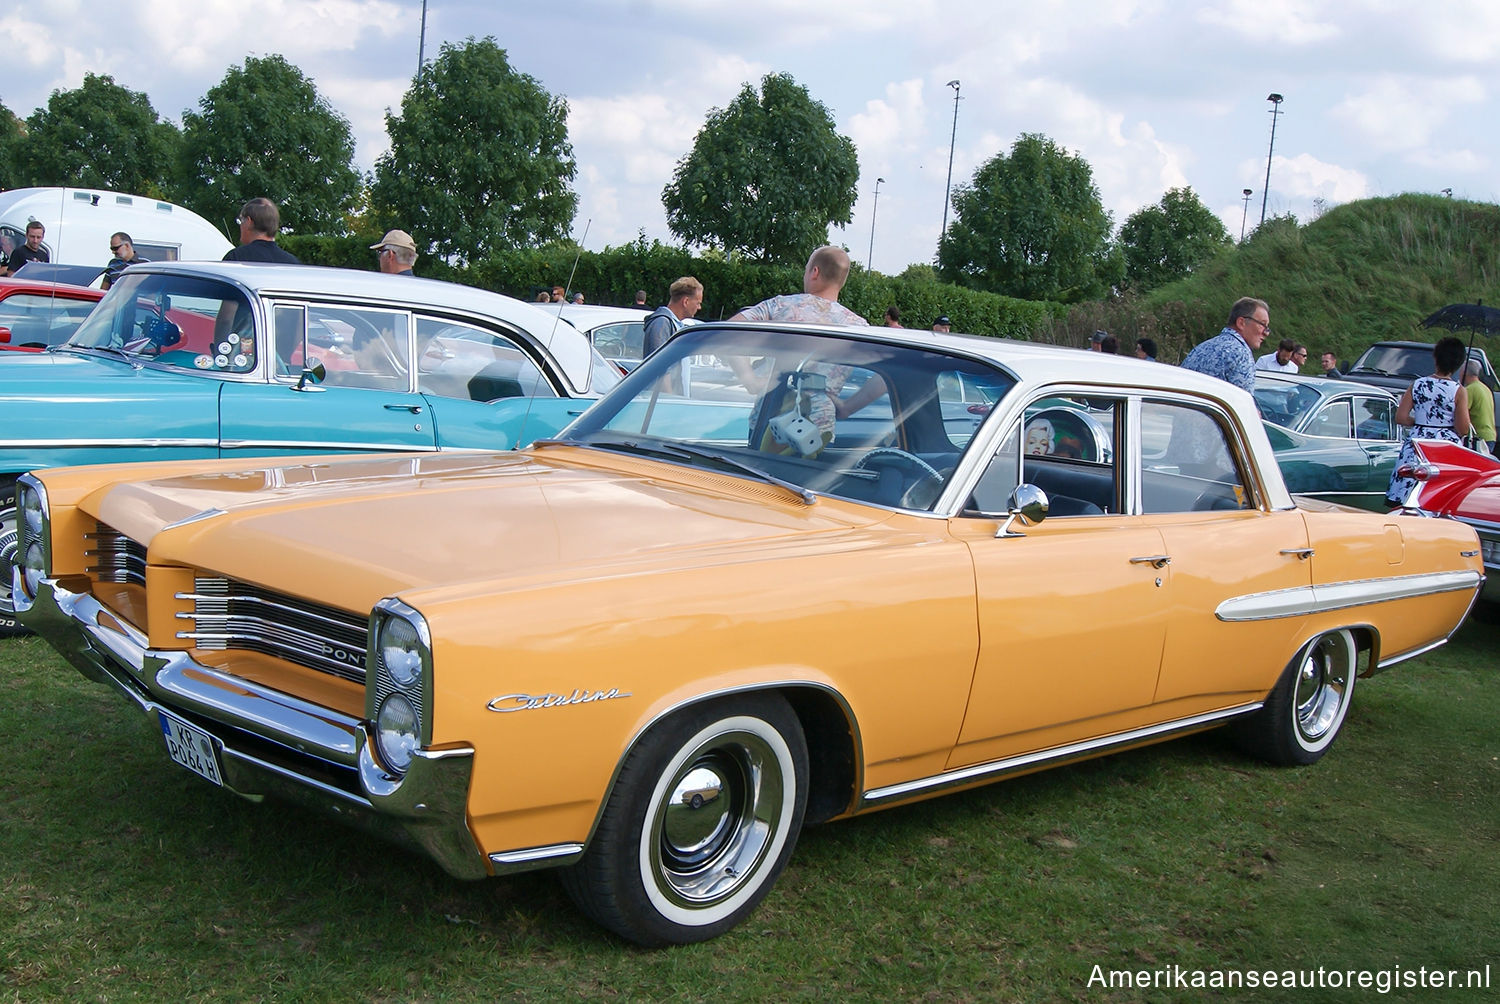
(180, 320)
(870, 421)
(1410, 361)
(1285, 403)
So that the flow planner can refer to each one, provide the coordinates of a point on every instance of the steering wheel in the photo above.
(909, 464)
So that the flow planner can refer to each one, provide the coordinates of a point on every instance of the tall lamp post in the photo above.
(1244, 213)
(1275, 100)
(874, 208)
(951, 142)
(422, 39)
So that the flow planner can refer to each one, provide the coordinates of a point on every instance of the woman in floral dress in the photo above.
(1436, 407)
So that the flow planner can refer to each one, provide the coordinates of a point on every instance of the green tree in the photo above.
(1031, 225)
(479, 158)
(1168, 240)
(99, 135)
(766, 176)
(265, 131)
(12, 132)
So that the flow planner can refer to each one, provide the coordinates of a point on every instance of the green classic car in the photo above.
(1335, 440)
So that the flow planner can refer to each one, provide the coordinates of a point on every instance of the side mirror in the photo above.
(5, 335)
(315, 374)
(1028, 503)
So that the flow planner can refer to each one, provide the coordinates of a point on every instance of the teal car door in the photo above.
(366, 401)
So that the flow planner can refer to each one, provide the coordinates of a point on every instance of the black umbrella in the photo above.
(1473, 316)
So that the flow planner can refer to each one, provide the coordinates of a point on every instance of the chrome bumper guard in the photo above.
(272, 744)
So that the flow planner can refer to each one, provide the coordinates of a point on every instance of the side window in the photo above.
(1374, 418)
(1064, 446)
(624, 340)
(1332, 420)
(371, 348)
(291, 352)
(1188, 461)
(474, 364)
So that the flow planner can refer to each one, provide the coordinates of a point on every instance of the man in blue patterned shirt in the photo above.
(1230, 355)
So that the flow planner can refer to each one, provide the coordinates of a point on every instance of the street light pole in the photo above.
(422, 39)
(952, 141)
(1275, 100)
(874, 208)
(1243, 213)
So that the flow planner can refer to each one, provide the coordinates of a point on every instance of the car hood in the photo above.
(78, 380)
(349, 531)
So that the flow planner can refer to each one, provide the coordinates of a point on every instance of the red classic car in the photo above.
(1462, 485)
(34, 315)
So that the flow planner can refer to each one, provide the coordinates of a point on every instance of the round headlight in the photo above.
(396, 732)
(400, 651)
(31, 515)
(32, 569)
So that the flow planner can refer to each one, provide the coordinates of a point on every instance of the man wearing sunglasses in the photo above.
(396, 253)
(125, 255)
(1230, 355)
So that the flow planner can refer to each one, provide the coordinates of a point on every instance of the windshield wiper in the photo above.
(114, 350)
(686, 451)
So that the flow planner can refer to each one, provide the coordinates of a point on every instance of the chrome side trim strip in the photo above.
(197, 516)
(536, 856)
(1027, 761)
(1387, 663)
(1301, 600)
(134, 441)
(312, 446)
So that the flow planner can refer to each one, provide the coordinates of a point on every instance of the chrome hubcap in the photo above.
(1322, 687)
(718, 818)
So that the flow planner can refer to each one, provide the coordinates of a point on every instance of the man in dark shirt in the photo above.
(260, 222)
(32, 250)
(124, 249)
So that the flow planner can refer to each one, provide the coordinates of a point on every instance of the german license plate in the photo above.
(192, 747)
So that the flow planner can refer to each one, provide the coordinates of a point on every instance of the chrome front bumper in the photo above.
(270, 743)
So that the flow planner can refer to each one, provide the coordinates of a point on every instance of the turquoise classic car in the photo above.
(186, 360)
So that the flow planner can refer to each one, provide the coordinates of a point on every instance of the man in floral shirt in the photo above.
(1230, 355)
(818, 303)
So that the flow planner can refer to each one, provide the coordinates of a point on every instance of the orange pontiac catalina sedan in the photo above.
(780, 575)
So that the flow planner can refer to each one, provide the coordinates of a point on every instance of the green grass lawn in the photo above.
(126, 878)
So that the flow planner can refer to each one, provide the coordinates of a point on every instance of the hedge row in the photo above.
(612, 276)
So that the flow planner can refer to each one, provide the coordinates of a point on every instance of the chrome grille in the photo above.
(114, 557)
(230, 615)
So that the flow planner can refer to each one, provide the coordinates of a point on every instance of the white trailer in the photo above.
(79, 222)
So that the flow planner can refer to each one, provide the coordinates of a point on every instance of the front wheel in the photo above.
(1305, 711)
(702, 819)
(9, 544)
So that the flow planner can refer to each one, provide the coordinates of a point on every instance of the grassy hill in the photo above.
(1362, 272)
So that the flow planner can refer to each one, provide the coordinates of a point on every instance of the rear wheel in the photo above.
(9, 555)
(702, 819)
(1306, 710)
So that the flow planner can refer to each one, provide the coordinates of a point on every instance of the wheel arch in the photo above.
(829, 729)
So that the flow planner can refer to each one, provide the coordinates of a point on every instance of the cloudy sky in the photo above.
(1381, 96)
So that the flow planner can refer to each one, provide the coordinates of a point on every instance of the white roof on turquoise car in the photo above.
(568, 347)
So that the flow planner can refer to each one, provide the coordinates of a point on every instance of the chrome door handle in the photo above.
(415, 409)
(1301, 553)
(1154, 560)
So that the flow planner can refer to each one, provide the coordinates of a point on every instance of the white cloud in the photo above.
(1400, 113)
(1278, 22)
